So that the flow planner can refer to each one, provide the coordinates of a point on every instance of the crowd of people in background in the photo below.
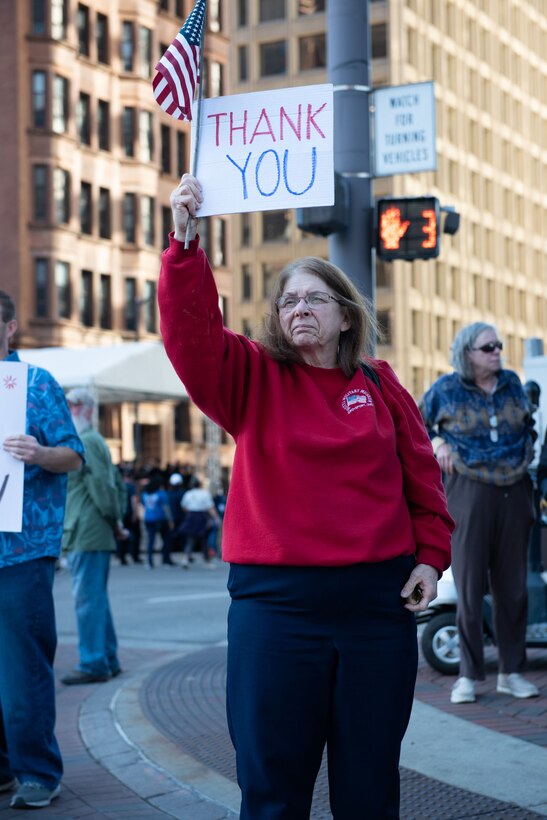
(171, 507)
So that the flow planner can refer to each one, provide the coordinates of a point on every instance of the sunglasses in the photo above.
(489, 347)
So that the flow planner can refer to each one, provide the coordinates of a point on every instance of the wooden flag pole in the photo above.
(195, 153)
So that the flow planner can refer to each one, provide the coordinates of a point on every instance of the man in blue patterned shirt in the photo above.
(479, 420)
(29, 753)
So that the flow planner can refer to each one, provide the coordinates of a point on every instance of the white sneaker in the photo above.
(463, 691)
(517, 686)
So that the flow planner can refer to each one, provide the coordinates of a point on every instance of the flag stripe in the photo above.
(174, 84)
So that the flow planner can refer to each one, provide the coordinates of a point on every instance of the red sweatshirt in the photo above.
(328, 470)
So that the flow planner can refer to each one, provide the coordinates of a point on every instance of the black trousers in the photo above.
(489, 551)
(319, 656)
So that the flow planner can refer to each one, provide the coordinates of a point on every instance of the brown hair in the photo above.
(357, 341)
(7, 307)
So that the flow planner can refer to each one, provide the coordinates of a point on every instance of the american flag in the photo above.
(178, 69)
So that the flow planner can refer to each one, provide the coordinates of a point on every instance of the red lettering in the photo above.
(269, 130)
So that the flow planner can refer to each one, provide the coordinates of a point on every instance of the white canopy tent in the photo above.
(125, 372)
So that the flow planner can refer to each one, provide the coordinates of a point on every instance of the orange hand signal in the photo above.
(392, 229)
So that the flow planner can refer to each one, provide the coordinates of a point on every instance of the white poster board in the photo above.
(404, 129)
(266, 150)
(13, 414)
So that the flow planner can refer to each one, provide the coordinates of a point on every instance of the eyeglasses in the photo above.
(489, 347)
(313, 300)
(493, 420)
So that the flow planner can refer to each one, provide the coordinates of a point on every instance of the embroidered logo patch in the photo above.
(356, 399)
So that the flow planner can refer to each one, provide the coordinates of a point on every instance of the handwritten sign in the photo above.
(267, 150)
(13, 410)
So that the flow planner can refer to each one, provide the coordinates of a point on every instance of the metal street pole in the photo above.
(349, 69)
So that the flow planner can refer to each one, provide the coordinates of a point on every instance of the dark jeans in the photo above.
(319, 655)
(153, 527)
(28, 640)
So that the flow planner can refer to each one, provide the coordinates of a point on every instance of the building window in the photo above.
(147, 219)
(128, 45)
(146, 136)
(165, 135)
(166, 225)
(62, 289)
(163, 5)
(215, 79)
(61, 196)
(38, 99)
(275, 226)
(38, 22)
(205, 234)
(130, 304)
(41, 277)
(150, 306)
(105, 230)
(128, 131)
(86, 298)
(242, 13)
(129, 217)
(58, 19)
(312, 52)
(243, 63)
(60, 105)
(219, 242)
(181, 418)
(311, 6)
(245, 225)
(273, 58)
(40, 186)
(83, 30)
(86, 206)
(83, 118)
(271, 10)
(379, 41)
(182, 165)
(214, 15)
(105, 301)
(103, 125)
(246, 283)
(101, 34)
(145, 52)
(179, 8)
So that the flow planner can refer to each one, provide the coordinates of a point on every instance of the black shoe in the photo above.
(79, 676)
(115, 672)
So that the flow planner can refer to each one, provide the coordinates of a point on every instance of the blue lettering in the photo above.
(243, 171)
(313, 170)
(259, 163)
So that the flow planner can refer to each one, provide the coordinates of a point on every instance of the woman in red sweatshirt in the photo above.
(336, 530)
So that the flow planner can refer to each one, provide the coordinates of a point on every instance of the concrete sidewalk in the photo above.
(153, 743)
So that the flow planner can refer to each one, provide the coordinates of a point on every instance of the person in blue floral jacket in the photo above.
(480, 423)
(29, 754)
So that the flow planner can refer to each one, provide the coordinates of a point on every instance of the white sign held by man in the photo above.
(266, 150)
(13, 411)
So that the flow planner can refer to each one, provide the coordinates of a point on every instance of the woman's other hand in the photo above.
(444, 457)
(421, 588)
(186, 200)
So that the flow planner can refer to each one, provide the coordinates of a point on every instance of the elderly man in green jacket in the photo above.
(95, 504)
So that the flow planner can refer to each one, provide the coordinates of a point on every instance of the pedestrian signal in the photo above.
(408, 228)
